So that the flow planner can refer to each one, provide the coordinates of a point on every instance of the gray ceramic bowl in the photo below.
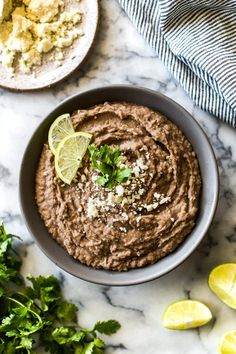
(209, 195)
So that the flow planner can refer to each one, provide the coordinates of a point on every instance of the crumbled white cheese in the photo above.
(161, 200)
(140, 163)
(120, 190)
(91, 209)
(125, 216)
(136, 171)
(141, 191)
(100, 203)
(128, 194)
(138, 219)
(45, 45)
(110, 198)
(164, 200)
(42, 10)
(151, 207)
(36, 27)
(5, 9)
(123, 229)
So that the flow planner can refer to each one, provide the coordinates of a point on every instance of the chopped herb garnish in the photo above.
(37, 315)
(107, 161)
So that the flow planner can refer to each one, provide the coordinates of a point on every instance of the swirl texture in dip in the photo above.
(139, 221)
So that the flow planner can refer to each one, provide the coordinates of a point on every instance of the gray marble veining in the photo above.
(120, 55)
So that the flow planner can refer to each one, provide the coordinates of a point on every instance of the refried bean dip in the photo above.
(140, 220)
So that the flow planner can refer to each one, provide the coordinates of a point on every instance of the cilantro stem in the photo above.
(33, 313)
(38, 315)
(21, 346)
(27, 298)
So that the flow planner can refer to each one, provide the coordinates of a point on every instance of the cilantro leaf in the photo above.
(10, 262)
(46, 289)
(7, 348)
(67, 311)
(38, 313)
(107, 327)
(99, 343)
(94, 347)
(7, 274)
(64, 335)
(106, 160)
(89, 348)
(122, 174)
(102, 180)
(26, 342)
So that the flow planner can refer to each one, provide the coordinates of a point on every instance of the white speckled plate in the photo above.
(48, 74)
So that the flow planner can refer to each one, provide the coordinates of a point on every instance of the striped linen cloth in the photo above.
(196, 40)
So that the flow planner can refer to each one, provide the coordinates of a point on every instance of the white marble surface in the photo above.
(121, 56)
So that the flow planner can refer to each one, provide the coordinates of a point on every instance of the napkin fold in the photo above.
(196, 40)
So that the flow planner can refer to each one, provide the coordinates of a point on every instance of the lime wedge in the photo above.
(69, 154)
(227, 343)
(185, 314)
(222, 281)
(59, 129)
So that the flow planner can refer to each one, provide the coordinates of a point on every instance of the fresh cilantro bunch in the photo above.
(10, 262)
(37, 315)
(106, 160)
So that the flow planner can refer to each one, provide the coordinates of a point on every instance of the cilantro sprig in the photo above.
(107, 161)
(37, 315)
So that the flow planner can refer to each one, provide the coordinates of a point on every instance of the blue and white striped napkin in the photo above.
(196, 40)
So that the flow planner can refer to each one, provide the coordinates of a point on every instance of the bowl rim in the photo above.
(191, 248)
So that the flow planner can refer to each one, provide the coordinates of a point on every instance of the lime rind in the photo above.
(59, 129)
(186, 314)
(227, 343)
(69, 154)
(222, 281)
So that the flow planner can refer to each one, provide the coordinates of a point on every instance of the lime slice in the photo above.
(69, 154)
(185, 314)
(227, 343)
(59, 129)
(222, 281)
